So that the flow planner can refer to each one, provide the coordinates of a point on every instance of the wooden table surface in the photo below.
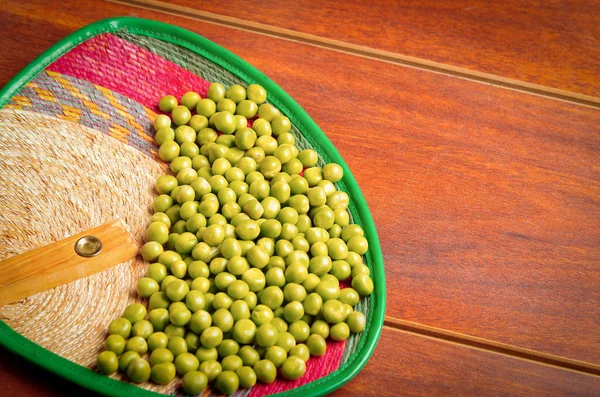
(473, 130)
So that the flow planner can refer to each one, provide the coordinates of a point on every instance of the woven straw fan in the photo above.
(77, 151)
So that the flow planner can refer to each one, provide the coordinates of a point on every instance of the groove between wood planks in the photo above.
(365, 52)
(492, 346)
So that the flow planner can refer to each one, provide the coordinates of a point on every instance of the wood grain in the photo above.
(552, 44)
(55, 264)
(403, 364)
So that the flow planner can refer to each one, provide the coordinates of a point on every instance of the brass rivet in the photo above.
(88, 246)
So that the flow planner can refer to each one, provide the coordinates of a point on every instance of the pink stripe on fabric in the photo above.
(109, 61)
(316, 368)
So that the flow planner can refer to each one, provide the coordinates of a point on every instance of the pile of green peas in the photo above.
(247, 245)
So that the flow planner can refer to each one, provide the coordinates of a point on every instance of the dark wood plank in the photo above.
(414, 365)
(486, 200)
(553, 44)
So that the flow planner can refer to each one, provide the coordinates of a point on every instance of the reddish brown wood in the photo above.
(552, 44)
(486, 200)
(403, 364)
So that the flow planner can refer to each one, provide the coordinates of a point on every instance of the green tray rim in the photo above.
(101, 384)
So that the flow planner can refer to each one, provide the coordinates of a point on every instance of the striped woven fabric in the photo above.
(112, 83)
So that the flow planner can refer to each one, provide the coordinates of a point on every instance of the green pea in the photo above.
(177, 345)
(142, 328)
(293, 166)
(167, 103)
(321, 328)
(206, 354)
(270, 166)
(211, 369)
(300, 330)
(194, 382)
(162, 121)
(181, 115)
(349, 296)
(247, 230)
(266, 145)
(272, 297)
(161, 355)
(192, 340)
(222, 319)
(126, 359)
(206, 107)
(247, 376)
(162, 373)
(211, 337)
(186, 362)
(115, 343)
(256, 93)
(138, 370)
(363, 284)
(227, 105)
(266, 335)
(281, 125)
(301, 351)
(262, 127)
(265, 370)
(158, 340)
(227, 382)
(308, 157)
(339, 332)
(358, 244)
(198, 122)
(159, 300)
(286, 341)
(134, 313)
(276, 355)
(107, 362)
(341, 269)
(267, 111)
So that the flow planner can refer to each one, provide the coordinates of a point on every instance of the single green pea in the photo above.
(107, 362)
(363, 284)
(349, 296)
(333, 311)
(136, 344)
(339, 332)
(226, 105)
(223, 279)
(321, 328)
(157, 231)
(265, 370)
(293, 166)
(177, 345)
(236, 93)
(201, 284)
(311, 282)
(134, 312)
(161, 355)
(161, 217)
(281, 125)
(142, 328)
(164, 134)
(293, 368)
(256, 93)
(211, 369)
(313, 304)
(316, 345)
(308, 157)
(177, 290)
(272, 297)
(247, 108)
(286, 341)
(301, 351)
(267, 335)
(211, 337)
(358, 244)
(161, 121)
(126, 359)
(115, 343)
(267, 111)
(300, 330)
(227, 382)
(184, 133)
(146, 287)
(162, 373)
(356, 322)
(247, 376)
(251, 299)
(270, 166)
(181, 115)
(158, 300)
(275, 277)
(198, 122)
(276, 355)
(158, 340)
(222, 319)
(341, 270)
(206, 107)
(194, 382)
(265, 145)
(167, 103)
(206, 354)
(186, 362)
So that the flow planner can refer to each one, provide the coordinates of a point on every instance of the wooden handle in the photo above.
(46, 267)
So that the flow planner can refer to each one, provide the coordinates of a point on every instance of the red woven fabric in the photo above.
(316, 368)
(121, 66)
